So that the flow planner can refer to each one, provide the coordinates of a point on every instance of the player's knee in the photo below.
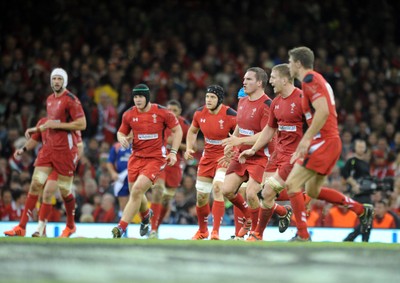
(217, 188)
(203, 187)
(268, 194)
(135, 193)
(157, 195)
(38, 180)
(274, 185)
(65, 185)
(252, 195)
(312, 193)
(202, 198)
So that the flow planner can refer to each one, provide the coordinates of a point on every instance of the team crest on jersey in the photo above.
(253, 112)
(135, 119)
(154, 118)
(202, 120)
(292, 106)
(221, 124)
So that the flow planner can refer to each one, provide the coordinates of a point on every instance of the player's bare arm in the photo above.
(123, 139)
(29, 145)
(191, 138)
(32, 130)
(78, 124)
(233, 140)
(320, 116)
(177, 134)
(264, 138)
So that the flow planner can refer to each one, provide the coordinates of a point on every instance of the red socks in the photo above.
(202, 217)
(218, 210)
(335, 197)
(155, 220)
(238, 218)
(299, 210)
(45, 211)
(29, 206)
(264, 216)
(69, 202)
(240, 203)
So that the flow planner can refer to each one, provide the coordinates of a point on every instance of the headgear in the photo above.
(142, 89)
(62, 73)
(218, 91)
(241, 93)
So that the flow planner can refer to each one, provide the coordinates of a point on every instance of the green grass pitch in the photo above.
(129, 260)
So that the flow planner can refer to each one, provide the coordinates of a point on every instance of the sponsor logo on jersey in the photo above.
(246, 132)
(287, 128)
(308, 115)
(202, 120)
(135, 119)
(147, 136)
(214, 142)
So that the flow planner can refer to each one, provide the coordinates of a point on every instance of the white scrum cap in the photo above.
(62, 73)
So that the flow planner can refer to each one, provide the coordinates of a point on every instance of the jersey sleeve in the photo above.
(265, 117)
(75, 109)
(170, 120)
(125, 128)
(272, 121)
(195, 121)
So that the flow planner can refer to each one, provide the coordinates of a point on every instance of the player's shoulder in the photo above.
(69, 95)
(298, 92)
(267, 100)
(230, 111)
(312, 77)
(308, 78)
(161, 107)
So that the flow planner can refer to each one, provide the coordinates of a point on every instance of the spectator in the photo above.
(105, 213)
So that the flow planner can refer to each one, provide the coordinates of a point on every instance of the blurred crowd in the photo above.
(178, 49)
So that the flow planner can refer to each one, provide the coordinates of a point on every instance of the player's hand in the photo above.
(231, 141)
(171, 159)
(224, 161)
(18, 153)
(301, 150)
(29, 132)
(245, 154)
(49, 124)
(189, 154)
(124, 141)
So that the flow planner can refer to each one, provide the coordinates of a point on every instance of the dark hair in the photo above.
(175, 103)
(218, 91)
(142, 89)
(261, 75)
(304, 55)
